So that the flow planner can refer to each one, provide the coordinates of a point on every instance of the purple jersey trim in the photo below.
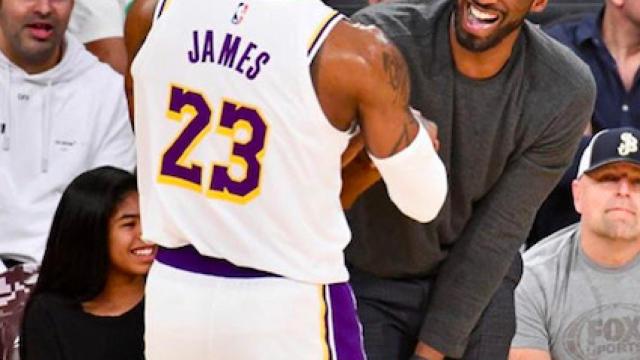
(189, 259)
(346, 326)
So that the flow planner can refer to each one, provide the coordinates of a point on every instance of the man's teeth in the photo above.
(143, 251)
(481, 15)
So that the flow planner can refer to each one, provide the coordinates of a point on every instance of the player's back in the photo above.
(235, 155)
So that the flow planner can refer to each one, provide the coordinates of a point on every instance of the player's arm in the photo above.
(528, 354)
(136, 27)
(360, 76)
(110, 50)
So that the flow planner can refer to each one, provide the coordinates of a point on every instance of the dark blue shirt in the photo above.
(615, 107)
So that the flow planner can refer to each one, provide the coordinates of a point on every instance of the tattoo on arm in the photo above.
(397, 76)
(404, 138)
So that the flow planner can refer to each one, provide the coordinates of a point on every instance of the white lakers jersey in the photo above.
(235, 155)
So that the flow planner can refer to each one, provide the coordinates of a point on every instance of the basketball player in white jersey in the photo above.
(242, 111)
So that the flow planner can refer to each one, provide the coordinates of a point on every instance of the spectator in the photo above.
(510, 105)
(99, 25)
(62, 112)
(608, 42)
(88, 301)
(578, 298)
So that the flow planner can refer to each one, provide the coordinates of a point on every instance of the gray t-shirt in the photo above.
(574, 308)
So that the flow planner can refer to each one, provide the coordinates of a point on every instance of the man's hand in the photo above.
(427, 352)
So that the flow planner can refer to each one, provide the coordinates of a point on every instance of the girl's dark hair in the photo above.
(76, 259)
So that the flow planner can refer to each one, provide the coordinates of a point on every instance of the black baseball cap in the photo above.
(610, 146)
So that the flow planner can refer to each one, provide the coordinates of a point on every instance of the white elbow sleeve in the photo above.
(416, 178)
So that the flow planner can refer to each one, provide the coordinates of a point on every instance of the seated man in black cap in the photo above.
(578, 297)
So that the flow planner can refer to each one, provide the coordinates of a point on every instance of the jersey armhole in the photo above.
(161, 6)
(320, 34)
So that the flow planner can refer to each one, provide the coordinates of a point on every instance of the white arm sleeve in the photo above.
(416, 178)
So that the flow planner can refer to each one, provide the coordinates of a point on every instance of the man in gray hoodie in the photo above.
(61, 112)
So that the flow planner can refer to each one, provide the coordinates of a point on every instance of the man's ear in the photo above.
(576, 190)
(538, 6)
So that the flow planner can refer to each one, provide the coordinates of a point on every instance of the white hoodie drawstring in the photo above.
(46, 127)
(5, 124)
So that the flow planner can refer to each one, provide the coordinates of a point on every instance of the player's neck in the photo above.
(609, 252)
(483, 64)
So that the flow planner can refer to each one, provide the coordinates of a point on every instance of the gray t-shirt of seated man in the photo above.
(574, 308)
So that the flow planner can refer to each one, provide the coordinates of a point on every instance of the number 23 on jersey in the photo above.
(216, 180)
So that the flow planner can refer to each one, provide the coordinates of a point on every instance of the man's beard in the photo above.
(475, 44)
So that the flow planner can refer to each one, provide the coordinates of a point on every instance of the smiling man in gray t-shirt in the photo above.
(578, 297)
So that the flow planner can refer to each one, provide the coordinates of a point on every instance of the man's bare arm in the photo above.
(360, 76)
(111, 51)
(136, 28)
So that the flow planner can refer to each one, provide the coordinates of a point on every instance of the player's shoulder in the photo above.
(360, 38)
(359, 46)
(554, 60)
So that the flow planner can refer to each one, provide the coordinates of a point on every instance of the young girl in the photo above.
(88, 302)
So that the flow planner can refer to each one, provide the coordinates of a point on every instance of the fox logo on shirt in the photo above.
(241, 11)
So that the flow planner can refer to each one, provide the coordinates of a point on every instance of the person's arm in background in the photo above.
(137, 25)
(111, 51)
(99, 25)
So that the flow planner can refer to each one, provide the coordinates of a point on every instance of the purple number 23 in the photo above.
(177, 169)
